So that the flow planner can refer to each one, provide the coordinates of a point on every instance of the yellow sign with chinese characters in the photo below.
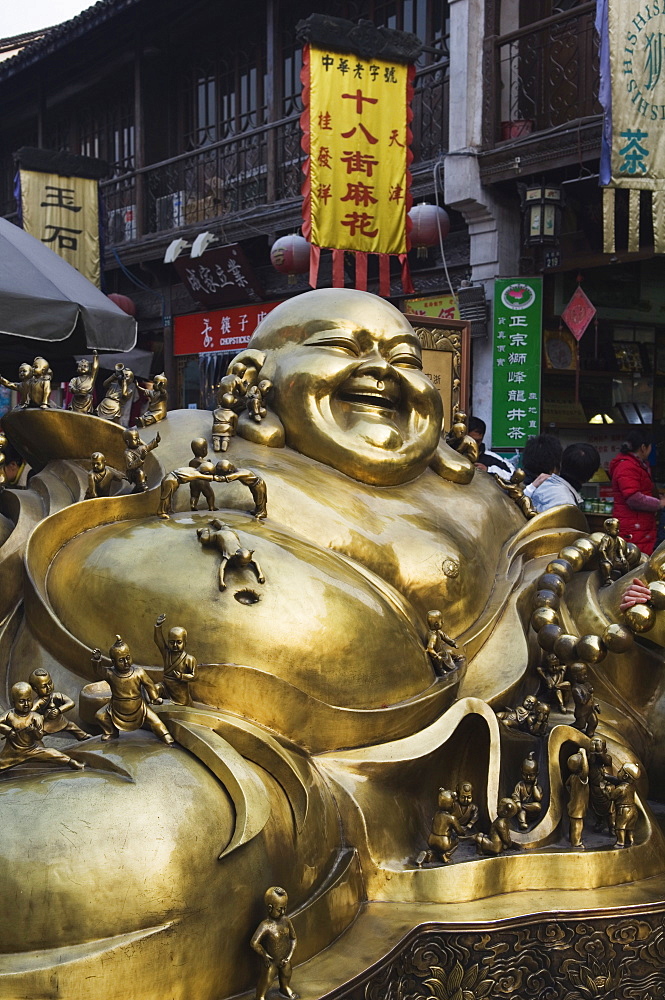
(63, 212)
(358, 147)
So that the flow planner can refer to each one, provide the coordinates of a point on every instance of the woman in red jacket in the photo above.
(635, 504)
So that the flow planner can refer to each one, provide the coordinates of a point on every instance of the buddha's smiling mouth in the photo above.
(382, 395)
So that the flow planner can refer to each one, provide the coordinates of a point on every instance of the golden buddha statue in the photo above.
(319, 726)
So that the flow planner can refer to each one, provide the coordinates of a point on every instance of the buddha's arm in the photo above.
(451, 465)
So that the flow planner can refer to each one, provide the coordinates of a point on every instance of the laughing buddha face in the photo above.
(349, 385)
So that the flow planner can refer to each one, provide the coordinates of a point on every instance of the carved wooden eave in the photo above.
(362, 38)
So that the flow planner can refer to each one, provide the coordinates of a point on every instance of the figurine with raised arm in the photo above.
(464, 807)
(553, 674)
(587, 709)
(275, 941)
(23, 732)
(528, 794)
(22, 387)
(499, 838)
(40, 383)
(255, 399)
(446, 828)
(172, 481)
(119, 389)
(514, 488)
(101, 477)
(621, 791)
(136, 453)
(52, 705)
(601, 771)
(612, 553)
(200, 448)
(578, 795)
(83, 384)
(220, 536)
(127, 709)
(229, 473)
(179, 665)
(438, 642)
(157, 401)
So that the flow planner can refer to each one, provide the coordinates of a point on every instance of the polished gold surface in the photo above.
(325, 707)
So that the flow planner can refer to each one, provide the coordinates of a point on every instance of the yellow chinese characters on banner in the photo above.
(437, 306)
(63, 212)
(358, 146)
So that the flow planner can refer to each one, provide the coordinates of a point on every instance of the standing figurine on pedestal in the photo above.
(126, 709)
(157, 401)
(101, 477)
(275, 941)
(621, 790)
(446, 828)
(255, 400)
(438, 642)
(173, 480)
(40, 383)
(119, 389)
(22, 387)
(578, 795)
(528, 793)
(229, 473)
(83, 384)
(464, 807)
(553, 673)
(52, 705)
(499, 838)
(136, 453)
(612, 553)
(200, 448)
(179, 666)
(601, 771)
(587, 709)
(23, 731)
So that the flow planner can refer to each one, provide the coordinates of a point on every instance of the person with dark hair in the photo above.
(488, 461)
(16, 469)
(635, 502)
(541, 456)
(579, 462)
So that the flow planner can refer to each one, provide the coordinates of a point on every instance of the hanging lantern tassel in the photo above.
(429, 223)
(290, 255)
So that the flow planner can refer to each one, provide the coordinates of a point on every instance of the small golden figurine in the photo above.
(157, 401)
(255, 399)
(52, 706)
(464, 807)
(234, 384)
(460, 440)
(438, 642)
(200, 486)
(601, 771)
(578, 795)
(136, 453)
(83, 384)
(499, 838)
(229, 473)
(222, 537)
(275, 941)
(612, 553)
(224, 422)
(22, 387)
(23, 731)
(101, 477)
(553, 673)
(127, 709)
(179, 665)
(528, 794)
(173, 480)
(521, 717)
(587, 709)
(538, 724)
(621, 791)
(40, 383)
(119, 389)
(446, 828)
(514, 487)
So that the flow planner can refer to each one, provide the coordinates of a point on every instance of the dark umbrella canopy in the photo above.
(43, 298)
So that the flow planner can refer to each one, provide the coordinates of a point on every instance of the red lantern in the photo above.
(123, 302)
(426, 221)
(290, 255)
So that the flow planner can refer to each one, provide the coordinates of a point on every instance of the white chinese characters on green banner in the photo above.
(517, 351)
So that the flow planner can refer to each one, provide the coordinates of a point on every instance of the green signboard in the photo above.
(517, 347)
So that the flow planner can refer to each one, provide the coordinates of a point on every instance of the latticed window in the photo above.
(106, 130)
(224, 97)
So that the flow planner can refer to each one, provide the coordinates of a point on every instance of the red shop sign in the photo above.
(218, 329)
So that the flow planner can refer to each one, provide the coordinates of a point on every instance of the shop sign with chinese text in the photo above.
(438, 306)
(221, 276)
(218, 329)
(517, 359)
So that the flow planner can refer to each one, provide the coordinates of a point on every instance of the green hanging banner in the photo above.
(518, 324)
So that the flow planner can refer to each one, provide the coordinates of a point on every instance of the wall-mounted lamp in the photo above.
(201, 244)
(542, 206)
(174, 250)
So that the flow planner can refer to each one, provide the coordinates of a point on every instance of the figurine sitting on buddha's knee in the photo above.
(23, 732)
(127, 709)
(52, 705)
